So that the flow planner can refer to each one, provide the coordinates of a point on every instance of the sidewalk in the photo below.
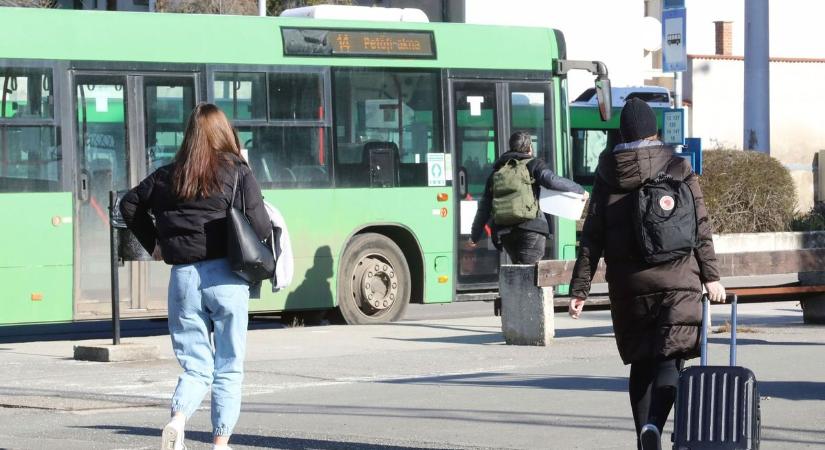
(447, 383)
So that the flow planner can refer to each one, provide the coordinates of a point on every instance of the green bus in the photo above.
(591, 135)
(372, 139)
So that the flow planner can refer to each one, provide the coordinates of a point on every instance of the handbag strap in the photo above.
(234, 191)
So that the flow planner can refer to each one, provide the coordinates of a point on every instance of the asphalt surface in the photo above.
(442, 378)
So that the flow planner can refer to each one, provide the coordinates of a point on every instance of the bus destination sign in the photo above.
(361, 43)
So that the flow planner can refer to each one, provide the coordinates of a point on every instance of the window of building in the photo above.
(282, 125)
(386, 124)
(30, 156)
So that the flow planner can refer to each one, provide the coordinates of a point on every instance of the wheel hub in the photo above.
(379, 286)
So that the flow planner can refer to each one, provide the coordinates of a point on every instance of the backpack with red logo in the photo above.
(665, 219)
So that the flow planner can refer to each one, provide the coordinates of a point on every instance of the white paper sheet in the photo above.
(468, 210)
(562, 204)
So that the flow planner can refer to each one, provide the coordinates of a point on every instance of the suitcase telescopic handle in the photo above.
(706, 325)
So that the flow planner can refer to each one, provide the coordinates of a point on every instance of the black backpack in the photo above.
(665, 219)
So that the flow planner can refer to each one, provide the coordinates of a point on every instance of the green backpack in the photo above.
(513, 198)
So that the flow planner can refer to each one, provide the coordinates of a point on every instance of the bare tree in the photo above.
(275, 7)
(236, 7)
(239, 7)
(29, 3)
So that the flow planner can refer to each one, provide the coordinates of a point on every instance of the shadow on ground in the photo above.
(249, 440)
(486, 335)
(506, 380)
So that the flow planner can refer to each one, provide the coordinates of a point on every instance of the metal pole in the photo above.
(734, 301)
(703, 351)
(262, 8)
(677, 100)
(757, 132)
(113, 271)
(677, 89)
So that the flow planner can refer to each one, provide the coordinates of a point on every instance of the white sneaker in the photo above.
(172, 437)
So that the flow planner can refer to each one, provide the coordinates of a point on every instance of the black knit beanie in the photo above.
(637, 121)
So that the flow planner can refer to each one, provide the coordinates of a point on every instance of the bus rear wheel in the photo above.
(374, 281)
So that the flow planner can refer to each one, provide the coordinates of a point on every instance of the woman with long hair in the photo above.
(188, 200)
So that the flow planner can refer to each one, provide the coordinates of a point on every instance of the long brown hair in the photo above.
(207, 141)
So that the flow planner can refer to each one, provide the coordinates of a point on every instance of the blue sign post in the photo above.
(673, 127)
(674, 48)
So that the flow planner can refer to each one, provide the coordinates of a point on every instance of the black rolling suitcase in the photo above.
(717, 407)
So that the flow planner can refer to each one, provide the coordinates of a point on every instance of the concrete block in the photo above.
(811, 278)
(813, 310)
(526, 309)
(116, 353)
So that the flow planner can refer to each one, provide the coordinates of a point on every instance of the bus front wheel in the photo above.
(374, 281)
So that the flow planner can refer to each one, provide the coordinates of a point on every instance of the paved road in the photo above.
(446, 382)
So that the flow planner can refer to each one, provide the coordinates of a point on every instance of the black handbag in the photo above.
(249, 257)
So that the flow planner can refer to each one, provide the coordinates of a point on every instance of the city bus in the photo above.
(373, 139)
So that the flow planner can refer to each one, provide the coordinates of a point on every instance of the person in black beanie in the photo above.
(637, 121)
(656, 308)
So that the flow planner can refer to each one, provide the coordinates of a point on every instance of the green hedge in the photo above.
(747, 192)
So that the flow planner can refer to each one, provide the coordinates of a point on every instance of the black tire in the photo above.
(373, 281)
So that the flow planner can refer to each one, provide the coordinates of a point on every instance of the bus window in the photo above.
(384, 115)
(287, 157)
(242, 96)
(527, 114)
(295, 96)
(30, 157)
(288, 146)
(587, 146)
(167, 103)
(26, 94)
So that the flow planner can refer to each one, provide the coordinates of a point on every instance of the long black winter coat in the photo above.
(656, 309)
(542, 175)
(194, 230)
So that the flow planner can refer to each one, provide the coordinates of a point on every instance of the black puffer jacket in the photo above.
(542, 175)
(656, 309)
(195, 230)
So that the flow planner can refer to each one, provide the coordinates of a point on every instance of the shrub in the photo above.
(747, 192)
(813, 220)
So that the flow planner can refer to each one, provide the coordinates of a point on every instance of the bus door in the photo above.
(476, 124)
(126, 125)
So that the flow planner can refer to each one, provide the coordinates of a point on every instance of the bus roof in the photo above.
(199, 38)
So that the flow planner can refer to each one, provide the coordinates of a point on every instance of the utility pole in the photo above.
(262, 8)
(757, 132)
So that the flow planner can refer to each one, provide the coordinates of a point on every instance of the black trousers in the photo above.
(652, 388)
(523, 247)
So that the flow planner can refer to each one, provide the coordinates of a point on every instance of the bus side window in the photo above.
(29, 136)
(389, 107)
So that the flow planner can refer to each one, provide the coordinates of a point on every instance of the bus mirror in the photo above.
(604, 98)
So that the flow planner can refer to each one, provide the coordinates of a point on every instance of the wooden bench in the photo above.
(808, 263)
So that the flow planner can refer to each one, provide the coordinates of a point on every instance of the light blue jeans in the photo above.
(206, 295)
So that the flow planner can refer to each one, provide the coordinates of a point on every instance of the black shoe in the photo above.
(650, 438)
